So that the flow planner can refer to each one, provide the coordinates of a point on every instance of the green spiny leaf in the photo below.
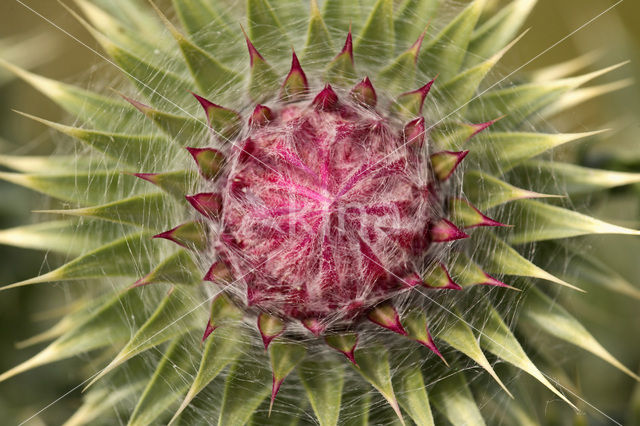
(265, 29)
(19, 50)
(133, 150)
(192, 235)
(521, 101)
(449, 135)
(140, 210)
(88, 106)
(503, 259)
(357, 410)
(224, 122)
(323, 381)
(246, 387)
(546, 314)
(577, 97)
(199, 17)
(468, 273)
(170, 380)
(179, 268)
(574, 179)
(284, 358)
(401, 72)
(159, 85)
(376, 42)
(127, 256)
(223, 311)
(454, 400)
(467, 215)
(461, 88)
(411, 20)
(131, 13)
(211, 76)
(81, 187)
(138, 42)
(373, 365)
(339, 15)
(263, 81)
(318, 46)
(77, 313)
(177, 127)
(106, 326)
(174, 317)
(588, 269)
(498, 339)
(412, 395)
(101, 401)
(536, 221)
(223, 347)
(293, 16)
(507, 149)
(459, 336)
(444, 54)
(486, 191)
(566, 68)
(341, 70)
(49, 163)
(176, 183)
(68, 237)
(496, 32)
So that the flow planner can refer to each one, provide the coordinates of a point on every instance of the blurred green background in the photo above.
(615, 37)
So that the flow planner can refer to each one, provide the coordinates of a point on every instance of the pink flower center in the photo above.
(325, 212)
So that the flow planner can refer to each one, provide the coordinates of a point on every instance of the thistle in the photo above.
(334, 238)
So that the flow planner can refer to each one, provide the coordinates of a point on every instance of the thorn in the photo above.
(188, 235)
(221, 120)
(253, 52)
(143, 108)
(444, 163)
(145, 176)
(432, 346)
(348, 46)
(261, 116)
(207, 331)
(209, 204)
(496, 283)
(477, 128)
(470, 216)
(417, 45)
(386, 315)
(411, 103)
(326, 100)
(269, 327)
(295, 84)
(275, 388)
(169, 235)
(345, 344)
(208, 160)
(414, 132)
(441, 279)
(365, 93)
(412, 280)
(206, 104)
(444, 231)
(218, 272)
(141, 282)
(314, 325)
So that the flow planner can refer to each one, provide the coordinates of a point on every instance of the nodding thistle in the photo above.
(330, 239)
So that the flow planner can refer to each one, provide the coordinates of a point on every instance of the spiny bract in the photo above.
(332, 211)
